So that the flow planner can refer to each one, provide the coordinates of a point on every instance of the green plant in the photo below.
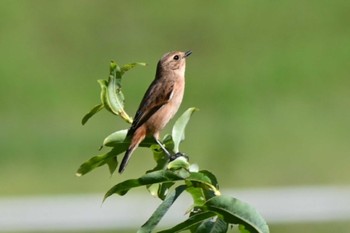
(211, 211)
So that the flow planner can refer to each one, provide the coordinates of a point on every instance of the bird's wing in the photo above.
(158, 94)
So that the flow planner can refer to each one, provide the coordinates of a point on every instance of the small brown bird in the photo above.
(160, 102)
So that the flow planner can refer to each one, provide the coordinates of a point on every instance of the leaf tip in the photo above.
(85, 119)
(217, 192)
(113, 64)
(108, 194)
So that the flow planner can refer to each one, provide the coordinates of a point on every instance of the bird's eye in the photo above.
(176, 57)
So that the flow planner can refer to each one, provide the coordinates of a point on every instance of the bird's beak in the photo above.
(188, 53)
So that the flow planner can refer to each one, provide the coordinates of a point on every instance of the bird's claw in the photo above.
(177, 155)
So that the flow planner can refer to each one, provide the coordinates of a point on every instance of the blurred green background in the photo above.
(271, 80)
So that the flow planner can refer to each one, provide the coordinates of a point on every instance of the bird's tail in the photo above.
(138, 137)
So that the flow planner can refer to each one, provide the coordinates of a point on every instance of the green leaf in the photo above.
(160, 190)
(92, 112)
(100, 160)
(197, 195)
(201, 187)
(103, 95)
(178, 132)
(164, 189)
(113, 66)
(237, 212)
(114, 94)
(180, 162)
(128, 67)
(115, 138)
(159, 156)
(161, 159)
(190, 222)
(203, 179)
(153, 221)
(118, 138)
(93, 163)
(153, 189)
(147, 179)
(112, 164)
(211, 177)
(111, 95)
(213, 225)
(242, 229)
(168, 142)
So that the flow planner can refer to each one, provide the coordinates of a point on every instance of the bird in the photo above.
(159, 104)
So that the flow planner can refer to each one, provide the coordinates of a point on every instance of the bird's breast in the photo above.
(159, 119)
